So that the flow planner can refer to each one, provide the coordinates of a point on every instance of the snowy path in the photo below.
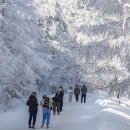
(98, 113)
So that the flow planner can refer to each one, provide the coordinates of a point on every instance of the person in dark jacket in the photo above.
(83, 93)
(56, 104)
(77, 93)
(61, 95)
(33, 108)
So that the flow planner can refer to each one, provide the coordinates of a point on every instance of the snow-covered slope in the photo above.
(47, 43)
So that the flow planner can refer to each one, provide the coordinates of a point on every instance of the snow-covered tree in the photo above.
(45, 44)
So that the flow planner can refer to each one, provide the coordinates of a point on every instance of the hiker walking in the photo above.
(77, 93)
(61, 95)
(56, 104)
(70, 93)
(33, 108)
(83, 93)
(46, 104)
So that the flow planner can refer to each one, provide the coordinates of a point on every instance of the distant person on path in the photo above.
(56, 104)
(77, 93)
(70, 93)
(83, 93)
(33, 108)
(61, 95)
(46, 104)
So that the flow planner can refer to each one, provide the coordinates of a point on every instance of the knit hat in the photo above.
(34, 94)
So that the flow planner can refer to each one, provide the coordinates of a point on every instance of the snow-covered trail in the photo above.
(98, 113)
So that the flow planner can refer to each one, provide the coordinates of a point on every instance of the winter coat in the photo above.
(46, 103)
(56, 98)
(32, 103)
(76, 91)
(84, 90)
(61, 95)
(70, 91)
(60, 92)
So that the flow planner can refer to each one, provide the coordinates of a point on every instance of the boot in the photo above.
(29, 126)
(33, 127)
(58, 113)
(42, 125)
(54, 113)
(47, 126)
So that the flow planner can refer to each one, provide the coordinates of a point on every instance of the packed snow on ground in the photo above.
(98, 113)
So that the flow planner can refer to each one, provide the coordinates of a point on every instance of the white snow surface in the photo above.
(98, 113)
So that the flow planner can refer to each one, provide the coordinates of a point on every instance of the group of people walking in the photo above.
(47, 103)
(55, 103)
(77, 91)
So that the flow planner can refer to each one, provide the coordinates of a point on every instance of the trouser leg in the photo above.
(48, 114)
(44, 116)
(70, 98)
(54, 108)
(84, 98)
(61, 104)
(30, 118)
(77, 97)
(34, 118)
(58, 107)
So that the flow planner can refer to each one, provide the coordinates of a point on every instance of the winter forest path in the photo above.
(98, 113)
